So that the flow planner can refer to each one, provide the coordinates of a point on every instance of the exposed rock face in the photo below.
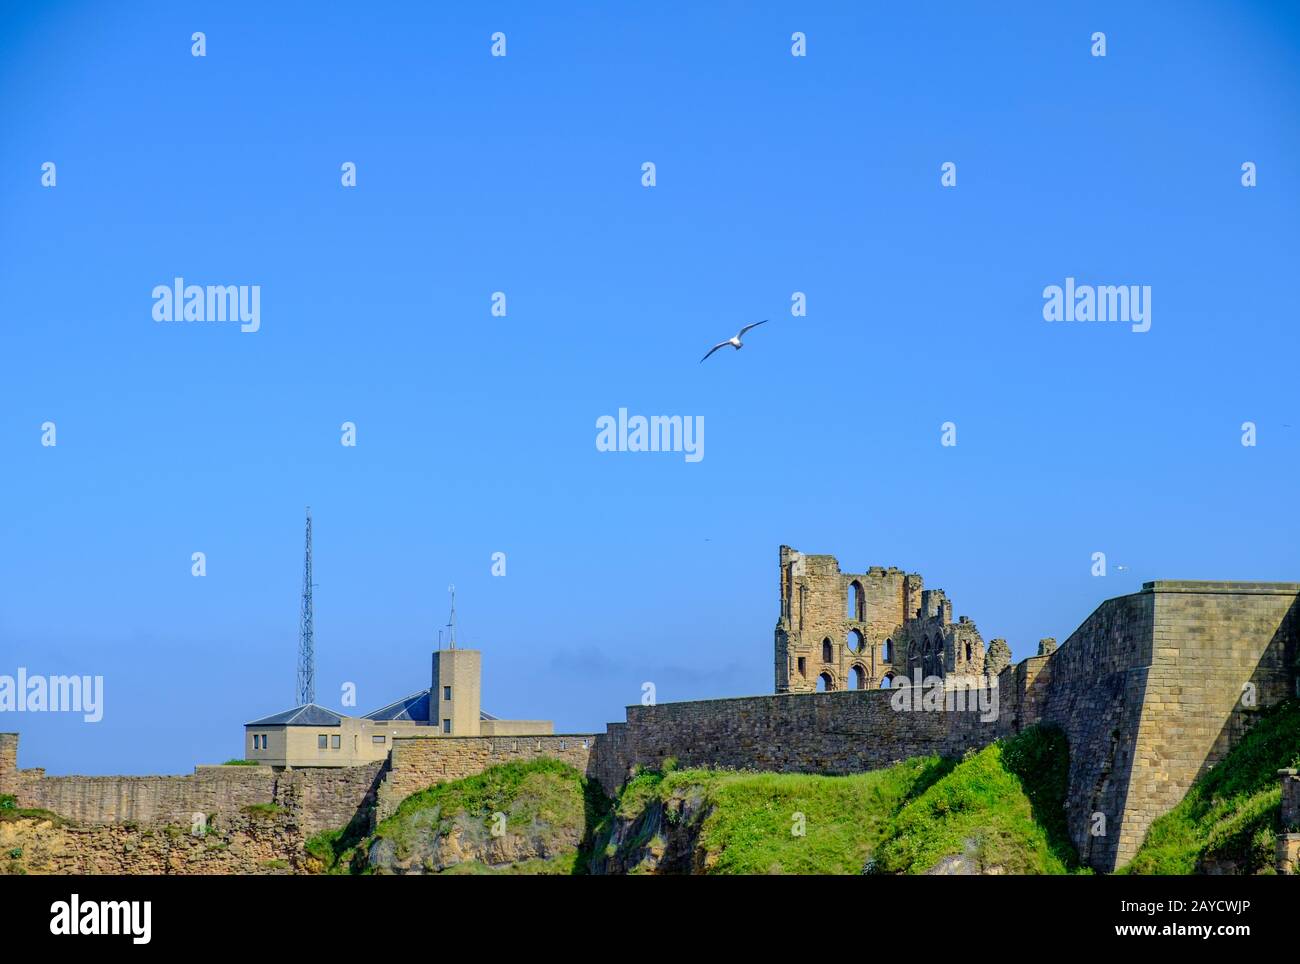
(259, 843)
(968, 863)
(662, 838)
(499, 824)
(469, 839)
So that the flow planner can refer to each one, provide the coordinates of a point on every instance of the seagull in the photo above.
(735, 342)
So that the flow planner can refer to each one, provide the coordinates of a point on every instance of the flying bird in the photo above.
(734, 342)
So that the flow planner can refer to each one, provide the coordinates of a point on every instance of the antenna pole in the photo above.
(307, 633)
(451, 624)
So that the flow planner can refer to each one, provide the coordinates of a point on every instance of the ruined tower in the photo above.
(861, 630)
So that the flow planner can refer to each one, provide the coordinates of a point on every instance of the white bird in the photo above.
(734, 342)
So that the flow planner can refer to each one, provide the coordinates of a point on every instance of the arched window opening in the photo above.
(855, 641)
(828, 651)
(887, 682)
(888, 653)
(858, 678)
(968, 652)
(825, 683)
(857, 603)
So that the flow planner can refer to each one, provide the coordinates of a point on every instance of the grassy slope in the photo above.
(753, 817)
(546, 796)
(1002, 806)
(1230, 813)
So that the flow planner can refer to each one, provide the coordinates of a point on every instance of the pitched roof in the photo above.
(309, 714)
(414, 708)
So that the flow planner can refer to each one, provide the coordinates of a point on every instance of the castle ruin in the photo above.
(840, 630)
(1151, 690)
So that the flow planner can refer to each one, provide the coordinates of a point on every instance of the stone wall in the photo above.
(1290, 808)
(1288, 837)
(1092, 687)
(417, 762)
(243, 843)
(1151, 690)
(842, 732)
(9, 763)
(320, 797)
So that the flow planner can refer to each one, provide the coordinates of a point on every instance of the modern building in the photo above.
(313, 736)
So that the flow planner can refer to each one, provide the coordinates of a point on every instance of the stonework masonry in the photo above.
(244, 843)
(839, 630)
(1151, 690)
(322, 798)
(1288, 840)
(418, 762)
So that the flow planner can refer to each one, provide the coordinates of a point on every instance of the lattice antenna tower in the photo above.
(306, 633)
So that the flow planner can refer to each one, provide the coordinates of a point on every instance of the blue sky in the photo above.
(475, 434)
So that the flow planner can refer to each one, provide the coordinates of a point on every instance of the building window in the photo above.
(336, 741)
(446, 726)
(828, 654)
(803, 666)
(446, 693)
(322, 741)
(379, 739)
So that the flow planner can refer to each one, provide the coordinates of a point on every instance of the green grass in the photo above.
(262, 809)
(10, 812)
(544, 799)
(798, 823)
(1001, 809)
(241, 763)
(1231, 813)
(538, 791)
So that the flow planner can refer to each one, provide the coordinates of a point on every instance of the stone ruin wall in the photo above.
(1148, 691)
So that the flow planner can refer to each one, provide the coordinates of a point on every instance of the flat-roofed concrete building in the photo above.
(314, 736)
